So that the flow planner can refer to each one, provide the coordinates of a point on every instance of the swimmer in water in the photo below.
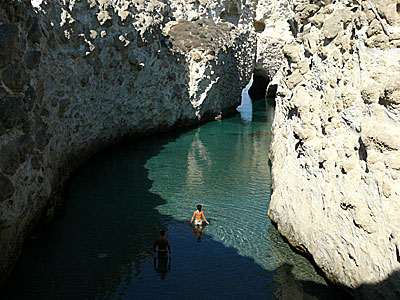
(162, 243)
(197, 217)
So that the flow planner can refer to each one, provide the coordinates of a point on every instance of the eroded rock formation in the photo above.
(78, 76)
(87, 73)
(272, 25)
(336, 132)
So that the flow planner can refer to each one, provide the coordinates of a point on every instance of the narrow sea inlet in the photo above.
(101, 245)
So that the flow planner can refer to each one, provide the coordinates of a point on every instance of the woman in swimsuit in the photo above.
(198, 215)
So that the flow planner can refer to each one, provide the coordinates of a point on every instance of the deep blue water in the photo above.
(100, 246)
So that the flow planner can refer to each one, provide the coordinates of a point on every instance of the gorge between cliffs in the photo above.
(80, 76)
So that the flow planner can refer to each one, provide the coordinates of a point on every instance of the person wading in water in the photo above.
(162, 243)
(198, 214)
(164, 262)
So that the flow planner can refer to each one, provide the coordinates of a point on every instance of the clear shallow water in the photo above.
(100, 247)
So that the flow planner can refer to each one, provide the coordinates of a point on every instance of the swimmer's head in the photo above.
(199, 207)
(162, 232)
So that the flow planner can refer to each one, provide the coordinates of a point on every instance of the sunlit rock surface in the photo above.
(78, 76)
(336, 147)
(272, 25)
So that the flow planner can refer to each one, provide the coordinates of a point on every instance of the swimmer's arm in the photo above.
(169, 247)
(192, 217)
(204, 216)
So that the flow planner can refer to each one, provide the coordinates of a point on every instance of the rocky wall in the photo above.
(336, 148)
(77, 76)
(272, 26)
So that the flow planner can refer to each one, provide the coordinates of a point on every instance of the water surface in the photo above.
(100, 247)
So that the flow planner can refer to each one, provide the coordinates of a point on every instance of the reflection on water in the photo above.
(162, 265)
(100, 247)
(199, 231)
(197, 153)
(246, 107)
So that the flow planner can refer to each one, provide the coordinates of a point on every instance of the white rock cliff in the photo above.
(336, 147)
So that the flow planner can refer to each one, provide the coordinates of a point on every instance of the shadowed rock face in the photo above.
(335, 148)
(83, 76)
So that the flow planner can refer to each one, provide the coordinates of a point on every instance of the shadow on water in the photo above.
(105, 230)
(100, 246)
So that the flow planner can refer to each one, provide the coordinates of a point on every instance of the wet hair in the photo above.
(162, 232)
(199, 207)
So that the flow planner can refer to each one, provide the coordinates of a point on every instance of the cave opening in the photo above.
(263, 88)
(259, 87)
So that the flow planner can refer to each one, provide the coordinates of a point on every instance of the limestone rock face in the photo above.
(80, 76)
(336, 147)
(273, 32)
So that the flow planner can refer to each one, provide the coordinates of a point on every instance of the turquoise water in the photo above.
(100, 246)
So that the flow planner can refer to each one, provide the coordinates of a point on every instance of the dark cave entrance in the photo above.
(261, 88)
